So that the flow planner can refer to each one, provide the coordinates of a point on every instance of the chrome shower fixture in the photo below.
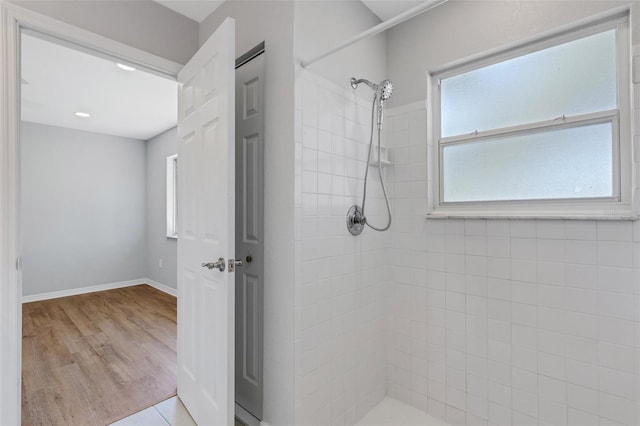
(356, 218)
(383, 90)
(386, 90)
(355, 82)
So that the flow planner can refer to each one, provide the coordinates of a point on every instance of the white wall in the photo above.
(83, 208)
(340, 279)
(322, 25)
(489, 321)
(146, 25)
(272, 21)
(461, 28)
(507, 322)
(159, 247)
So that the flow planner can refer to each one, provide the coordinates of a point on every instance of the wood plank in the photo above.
(95, 358)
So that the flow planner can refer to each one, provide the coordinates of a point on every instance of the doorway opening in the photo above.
(98, 341)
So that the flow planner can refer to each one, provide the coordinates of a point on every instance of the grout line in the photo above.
(161, 416)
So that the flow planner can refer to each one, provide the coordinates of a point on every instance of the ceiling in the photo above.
(59, 81)
(194, 9)
(387, 9)
(198, 10)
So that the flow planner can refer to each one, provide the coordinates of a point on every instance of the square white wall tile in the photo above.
(496, 321)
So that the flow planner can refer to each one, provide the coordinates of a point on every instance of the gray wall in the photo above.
(365, 59)
(83, 208)
(146, 25)
(272, 21)
(158, 245)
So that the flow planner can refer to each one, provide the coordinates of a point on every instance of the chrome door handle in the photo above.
(220, 264)
(235, 263)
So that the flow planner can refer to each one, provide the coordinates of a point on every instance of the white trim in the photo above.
(92, 43)
(82, 290)
(559, 123)
(10, 243)
(12, 19)
(172, 201)
(162, 287)
(100, 287)
(533, 213)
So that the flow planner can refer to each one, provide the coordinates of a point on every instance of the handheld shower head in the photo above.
(383, 93)
(386, 89)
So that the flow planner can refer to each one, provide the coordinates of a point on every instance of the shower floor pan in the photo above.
(391, 412)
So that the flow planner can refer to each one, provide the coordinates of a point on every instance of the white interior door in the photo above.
(206, 230)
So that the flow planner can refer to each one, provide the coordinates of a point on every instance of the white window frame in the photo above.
(172, 196)
(619, 206)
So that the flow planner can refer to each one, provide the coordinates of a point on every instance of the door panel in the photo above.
(250, 363)
(206, 231)
(250, 233)
(251, 186)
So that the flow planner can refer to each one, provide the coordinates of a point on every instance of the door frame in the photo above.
(13, 19)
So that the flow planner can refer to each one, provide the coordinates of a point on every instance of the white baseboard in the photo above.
(164, 288)
(82, 290)
(99, 287)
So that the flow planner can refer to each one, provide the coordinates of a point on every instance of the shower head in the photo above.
(386, 89)
(383, 93)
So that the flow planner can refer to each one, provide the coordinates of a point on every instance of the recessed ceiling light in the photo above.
(125, 67)
(82, 114)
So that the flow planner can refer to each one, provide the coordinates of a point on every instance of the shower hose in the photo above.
(366, 173)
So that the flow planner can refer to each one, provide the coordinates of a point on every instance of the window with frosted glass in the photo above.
(539, 126)
(567, 163)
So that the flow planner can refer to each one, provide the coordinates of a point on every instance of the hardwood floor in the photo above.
(95, 358)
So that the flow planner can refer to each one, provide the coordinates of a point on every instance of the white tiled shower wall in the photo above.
(509, 322)
(340, 371)
(499, 322)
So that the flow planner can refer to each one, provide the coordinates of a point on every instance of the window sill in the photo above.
(618, 212)
(172, 237)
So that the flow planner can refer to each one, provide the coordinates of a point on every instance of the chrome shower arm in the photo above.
(355, 82)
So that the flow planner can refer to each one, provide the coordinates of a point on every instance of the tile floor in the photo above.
(391, 412)
(170, 412)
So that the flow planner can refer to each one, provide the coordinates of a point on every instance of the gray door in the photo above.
(250, 229)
